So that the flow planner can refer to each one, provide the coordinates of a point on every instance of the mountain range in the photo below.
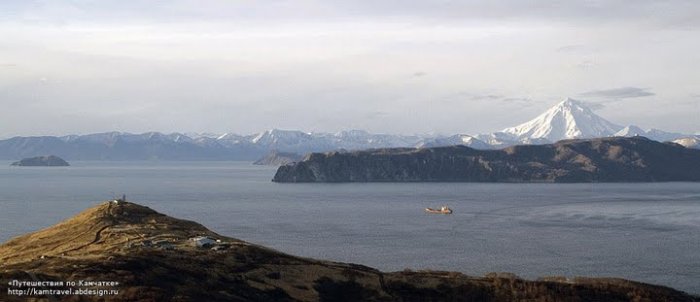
(573, 119)
(568, 119)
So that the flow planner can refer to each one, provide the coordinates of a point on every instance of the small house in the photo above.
(203, 241)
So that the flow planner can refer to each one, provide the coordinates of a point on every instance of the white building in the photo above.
(203, 241)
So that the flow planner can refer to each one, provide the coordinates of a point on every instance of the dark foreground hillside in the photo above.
(615, 159)
(153, 258)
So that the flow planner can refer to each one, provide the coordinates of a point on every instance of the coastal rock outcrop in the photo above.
(276, 158)
(42, 161)
(613, 159)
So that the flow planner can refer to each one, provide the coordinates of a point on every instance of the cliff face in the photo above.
(153, 258)
(616, 159)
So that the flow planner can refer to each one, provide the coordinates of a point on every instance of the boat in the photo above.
(442, 210)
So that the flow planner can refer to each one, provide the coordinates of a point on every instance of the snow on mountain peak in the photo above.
(274, 136)
(568, 119)
(689, 142)
(569, 102)
(458, 139)
(631, 130)
(352, 134)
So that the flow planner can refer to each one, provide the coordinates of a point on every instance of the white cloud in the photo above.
(327, 65)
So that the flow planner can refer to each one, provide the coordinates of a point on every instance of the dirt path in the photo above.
(98, 234)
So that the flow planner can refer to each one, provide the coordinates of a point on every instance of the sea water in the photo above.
(644, 232)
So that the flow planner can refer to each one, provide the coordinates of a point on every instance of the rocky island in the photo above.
(132, 253)
(613, 159)
(42, 161)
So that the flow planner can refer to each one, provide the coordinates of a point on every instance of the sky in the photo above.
(403, 67)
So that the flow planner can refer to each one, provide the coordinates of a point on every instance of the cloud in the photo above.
(378, 65)
(618, 93)
(595, 105)
(488, 98)
(376, 115)
(606, 96)
(571, 48)
(462, 96)
(517, 100)
(671, 13)
(586, 64)
(485, 97)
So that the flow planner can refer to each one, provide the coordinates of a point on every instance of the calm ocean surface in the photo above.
(644, 232)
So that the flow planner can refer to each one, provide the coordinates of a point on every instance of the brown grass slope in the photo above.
(150, 254)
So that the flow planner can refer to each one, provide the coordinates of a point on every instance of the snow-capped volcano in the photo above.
(568, 119)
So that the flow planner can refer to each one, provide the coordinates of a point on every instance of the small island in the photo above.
(42, 161)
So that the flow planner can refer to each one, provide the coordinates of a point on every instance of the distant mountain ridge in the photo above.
(569, 119)
(178, 146)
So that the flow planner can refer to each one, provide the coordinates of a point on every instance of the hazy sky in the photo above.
(384, 66)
